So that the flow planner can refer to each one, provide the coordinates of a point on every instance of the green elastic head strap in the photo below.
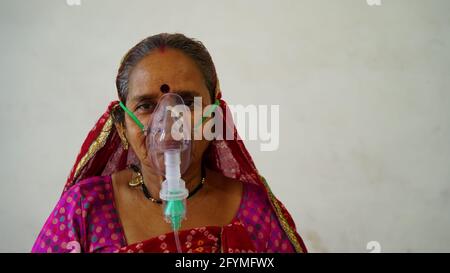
(142, 127)
(132, 116)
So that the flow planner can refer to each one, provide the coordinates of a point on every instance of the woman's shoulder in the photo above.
(83, 219)
(93, 190)
(256, 194)
(90, 184)
(261, 199)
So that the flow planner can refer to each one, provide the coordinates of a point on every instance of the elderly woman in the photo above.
(111, 199)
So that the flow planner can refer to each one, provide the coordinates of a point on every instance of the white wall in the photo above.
(363, 92)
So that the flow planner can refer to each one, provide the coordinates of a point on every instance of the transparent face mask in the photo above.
(169, 144)
(169, 131)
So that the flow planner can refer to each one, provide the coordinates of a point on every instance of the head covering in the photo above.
(103, 154)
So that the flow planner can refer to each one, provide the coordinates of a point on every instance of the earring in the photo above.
(137, 178)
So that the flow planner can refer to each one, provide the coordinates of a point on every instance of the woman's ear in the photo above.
(121, 131)
(118, 116)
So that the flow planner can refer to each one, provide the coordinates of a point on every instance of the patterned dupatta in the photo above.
(102, 154)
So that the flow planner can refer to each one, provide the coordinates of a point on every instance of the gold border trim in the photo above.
(290, 232)
(95, 147)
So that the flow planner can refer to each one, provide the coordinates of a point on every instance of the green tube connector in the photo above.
(175, 211)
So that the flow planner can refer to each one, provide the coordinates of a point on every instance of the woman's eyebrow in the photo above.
(138, 98)
(155, 97)
(187, 93)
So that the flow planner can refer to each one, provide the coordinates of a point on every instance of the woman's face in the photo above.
(179, 72)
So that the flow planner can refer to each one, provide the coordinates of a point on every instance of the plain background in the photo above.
(363, 91)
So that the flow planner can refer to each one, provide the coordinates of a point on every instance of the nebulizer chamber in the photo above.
(169, 145)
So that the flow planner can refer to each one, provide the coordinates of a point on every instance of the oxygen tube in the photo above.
(174, 194)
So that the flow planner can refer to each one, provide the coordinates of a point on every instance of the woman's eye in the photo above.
(146, 107)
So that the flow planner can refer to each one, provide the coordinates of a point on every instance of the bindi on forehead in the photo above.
(164, 88)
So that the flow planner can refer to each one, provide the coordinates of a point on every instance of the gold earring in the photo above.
(137, 178)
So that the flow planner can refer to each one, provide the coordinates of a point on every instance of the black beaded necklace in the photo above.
(139, 181)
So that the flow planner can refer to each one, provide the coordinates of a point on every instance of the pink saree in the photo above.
(85, 218)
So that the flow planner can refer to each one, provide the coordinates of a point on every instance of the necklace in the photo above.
(138, 180)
